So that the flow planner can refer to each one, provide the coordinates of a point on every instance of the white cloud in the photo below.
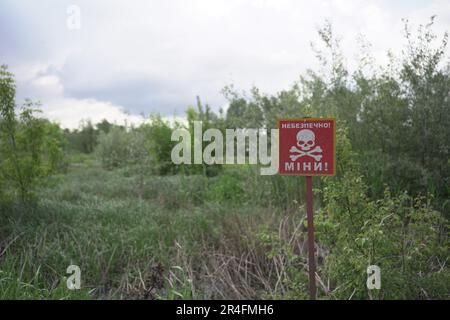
(69, 112)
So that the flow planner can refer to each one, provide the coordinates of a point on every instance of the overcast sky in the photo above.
(136, 56)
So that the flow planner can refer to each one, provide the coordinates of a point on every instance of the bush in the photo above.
(121, 147)
(403, 235)
(157, 133)
(227, 188)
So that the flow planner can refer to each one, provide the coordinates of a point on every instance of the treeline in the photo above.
(397, 118)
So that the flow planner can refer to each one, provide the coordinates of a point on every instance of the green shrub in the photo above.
(403, 235)
(112, 148)
(227, 187)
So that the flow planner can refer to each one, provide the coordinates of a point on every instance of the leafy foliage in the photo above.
(30, 148)
(396, 115)
(404, 236)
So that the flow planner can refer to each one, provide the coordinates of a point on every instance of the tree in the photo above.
(30, 148)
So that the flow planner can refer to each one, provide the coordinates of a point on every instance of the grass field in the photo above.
(237, 235)
(146, 238)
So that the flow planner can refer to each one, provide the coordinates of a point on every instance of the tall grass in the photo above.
(168, 237)
(234, 236)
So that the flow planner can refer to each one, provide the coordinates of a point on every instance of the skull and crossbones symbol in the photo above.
(306, 140)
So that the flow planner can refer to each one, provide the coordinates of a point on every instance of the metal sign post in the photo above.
(311, 246)
(307, 147)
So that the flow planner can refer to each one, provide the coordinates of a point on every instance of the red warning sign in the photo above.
(307, 147)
